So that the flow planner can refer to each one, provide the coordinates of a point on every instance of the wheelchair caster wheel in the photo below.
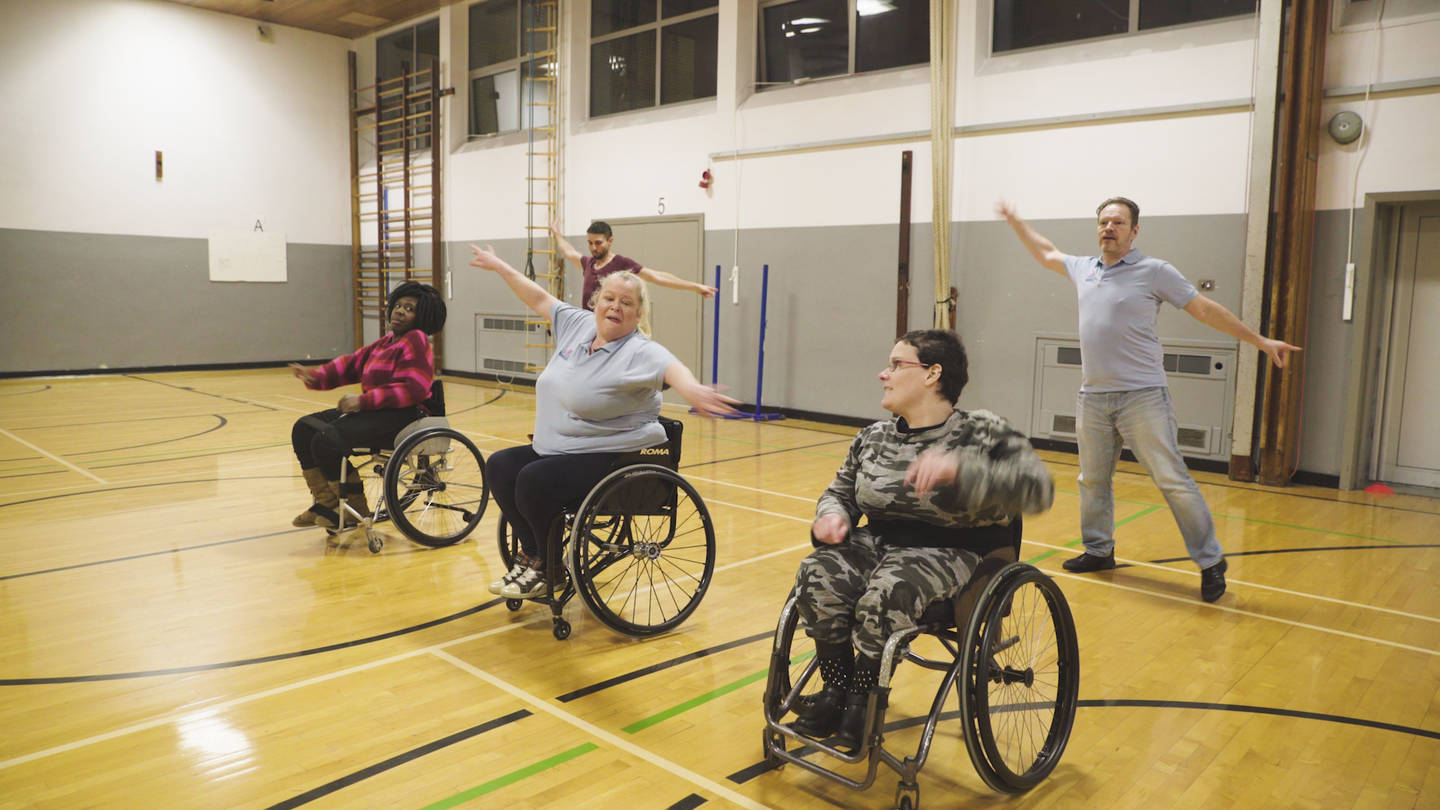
(375, 542)
(561, 630)
(513, 604)
(907, 797)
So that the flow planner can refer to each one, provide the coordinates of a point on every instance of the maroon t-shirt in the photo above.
(616, 264)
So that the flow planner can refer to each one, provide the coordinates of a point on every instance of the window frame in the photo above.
(1132, 29)
(517, 63)
(852, 47)
(654, 27)
(421, 140)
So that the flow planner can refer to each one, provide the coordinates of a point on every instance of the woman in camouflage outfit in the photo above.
(939, 487)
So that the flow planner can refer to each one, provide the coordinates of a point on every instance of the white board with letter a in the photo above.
(247, 256)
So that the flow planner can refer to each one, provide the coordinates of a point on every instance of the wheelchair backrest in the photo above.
(435, 405)
(666, 454)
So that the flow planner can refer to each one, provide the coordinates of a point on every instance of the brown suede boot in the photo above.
(322, 512)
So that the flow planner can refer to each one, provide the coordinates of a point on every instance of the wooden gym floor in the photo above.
(169, 640)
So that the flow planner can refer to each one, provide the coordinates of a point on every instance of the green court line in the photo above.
(512, 777)
(641, 725)
(1076, 541)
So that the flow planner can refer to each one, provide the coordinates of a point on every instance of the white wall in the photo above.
(249, 129)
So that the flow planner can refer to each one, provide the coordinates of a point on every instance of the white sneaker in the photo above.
(530, 584)
(510, 576)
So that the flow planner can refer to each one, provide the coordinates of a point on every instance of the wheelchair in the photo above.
(639, 548)
(429, 482)
(1014, 661)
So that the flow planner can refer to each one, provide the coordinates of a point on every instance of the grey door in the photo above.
(676, 245)
(1410, 422)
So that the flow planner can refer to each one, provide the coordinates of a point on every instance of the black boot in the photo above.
(852, 722)
(822, 716)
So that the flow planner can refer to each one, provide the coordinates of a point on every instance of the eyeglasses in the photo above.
(896, 364)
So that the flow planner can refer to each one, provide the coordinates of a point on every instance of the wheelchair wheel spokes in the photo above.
(1023, 681)
(792, 663)
(642, 571)
(435, 487)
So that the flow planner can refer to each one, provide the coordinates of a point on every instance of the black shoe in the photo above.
(1087, 562)
(852, 724)
(820, 719)
(1212, 581)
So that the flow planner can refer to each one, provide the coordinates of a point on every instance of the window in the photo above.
(642, 51)
(411, 50)
(810, 39)
(1030, 23)
(509, 86)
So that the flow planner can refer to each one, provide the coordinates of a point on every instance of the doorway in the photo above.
(1407, 450)
(675, 244)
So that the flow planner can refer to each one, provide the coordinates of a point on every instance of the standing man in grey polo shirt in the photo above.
(1123, 394)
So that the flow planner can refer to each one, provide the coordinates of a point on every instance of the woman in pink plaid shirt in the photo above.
(395, 374)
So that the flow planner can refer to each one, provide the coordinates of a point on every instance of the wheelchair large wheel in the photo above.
(435, 490)
(642, 549)
(1020, 679)
(792, 660)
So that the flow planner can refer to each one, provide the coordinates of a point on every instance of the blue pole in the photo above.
(715, 343)
(760, 364)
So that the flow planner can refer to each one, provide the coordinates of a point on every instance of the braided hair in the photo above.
(429, 305)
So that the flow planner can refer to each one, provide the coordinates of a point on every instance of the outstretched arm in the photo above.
(532, 295)
(702, 397)
(674, 282)
(566, 249)
(1041, 248)
(1218, 317)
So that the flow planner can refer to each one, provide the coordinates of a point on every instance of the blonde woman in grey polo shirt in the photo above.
(598, 397)
(1123, 392)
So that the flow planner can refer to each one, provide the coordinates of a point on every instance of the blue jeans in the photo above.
(1145, 421)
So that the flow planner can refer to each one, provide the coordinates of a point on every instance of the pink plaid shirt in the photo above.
(393, 372)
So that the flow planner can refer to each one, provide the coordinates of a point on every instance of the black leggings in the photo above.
(324, 439)
(532, 490)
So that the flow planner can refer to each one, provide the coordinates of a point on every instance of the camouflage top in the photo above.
(998, 475)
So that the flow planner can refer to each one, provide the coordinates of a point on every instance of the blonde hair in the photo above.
(642, 295)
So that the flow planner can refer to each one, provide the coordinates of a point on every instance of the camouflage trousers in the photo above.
(863, 592)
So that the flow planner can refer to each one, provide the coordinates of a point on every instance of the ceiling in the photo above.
(343, 18)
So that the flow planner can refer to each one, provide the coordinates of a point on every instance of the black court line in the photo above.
(399, 759)
(749, 772)
(143, 486)
(153, 554)
(223, 422)
(1268, 491)
(691, 801)
(663, 665)
(763, 453)
(183, 458)
(1386, 547)
(476, 407)
(18, 393)
(264, 659)
(201, 393)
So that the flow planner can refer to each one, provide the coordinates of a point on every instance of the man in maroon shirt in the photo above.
(601, 263)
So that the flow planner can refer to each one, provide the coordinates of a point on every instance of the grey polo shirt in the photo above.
(1119, 348)
(598, 402)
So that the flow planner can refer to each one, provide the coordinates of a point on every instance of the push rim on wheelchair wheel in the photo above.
(1022, 679)
(642, 550)
(435, 489)
(791, 657)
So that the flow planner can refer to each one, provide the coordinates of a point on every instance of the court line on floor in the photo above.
(54, 457)
(222, 705)
(403, 758)
(1288, 592)
(658, 761)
